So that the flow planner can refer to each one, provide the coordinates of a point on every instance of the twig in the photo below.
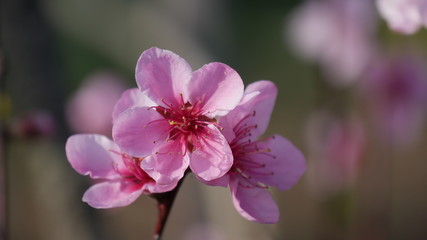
(164, 204)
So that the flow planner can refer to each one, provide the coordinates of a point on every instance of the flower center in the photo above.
(249, 156)
(187, 122)
(132, 170)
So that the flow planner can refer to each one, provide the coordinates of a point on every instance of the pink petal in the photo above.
(227, 128)
(164, 75)
(137, 131)
(93, 155)
(168, 162)
(218, 87)
(255, 108)
(159, 187)
(112, 194)
(214, 157)
(254, 204)
(284, 164)
(131, 98)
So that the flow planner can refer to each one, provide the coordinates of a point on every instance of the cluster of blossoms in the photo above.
(178, 120)
(340, 36)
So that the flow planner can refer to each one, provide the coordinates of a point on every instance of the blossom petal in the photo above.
(161, 187)
(164, 75)
(213, 157)
(131, 98)
(283, 166)
(111, 194)
(254, 204)
(227, 128)
(93, 155)
(137, 131)
(218, 87)
(255, 108)
(168, 163)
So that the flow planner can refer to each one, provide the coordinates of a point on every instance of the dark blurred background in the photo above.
(362, 182)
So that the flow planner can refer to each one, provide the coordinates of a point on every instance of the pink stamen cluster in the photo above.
(187, 123)
(244, 149)
(132, 171)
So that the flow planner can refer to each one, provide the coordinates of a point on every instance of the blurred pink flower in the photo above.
(90, 108)
(336, 146)
(271, 161)
(338, 34)
(100, 158)
(404, 16)
(34, 124)
(175, 124)
(395, 92)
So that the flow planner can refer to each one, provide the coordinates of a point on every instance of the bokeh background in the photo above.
(351, 97)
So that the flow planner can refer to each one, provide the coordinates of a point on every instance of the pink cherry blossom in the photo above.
(337, 34)
(271, 161)
(89, 109)
(336, 146)
(395, 92)
(404, 16)
(173, 119)
(100, 158)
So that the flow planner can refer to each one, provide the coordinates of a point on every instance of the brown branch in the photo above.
(164, 204)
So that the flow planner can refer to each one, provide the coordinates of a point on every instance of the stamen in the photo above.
(182, 98)
(170, 105)
(251, 183)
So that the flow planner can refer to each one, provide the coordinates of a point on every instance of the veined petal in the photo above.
(131, 98)
(93, 155)
(212, 158)
(137, 131)
(168, 162)
(218, 87)
(254, 204)
(255, 108)
(157, 187)
(111, 194)
(283, 165)
(164, 75)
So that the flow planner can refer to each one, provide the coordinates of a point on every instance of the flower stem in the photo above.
(164, 204)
